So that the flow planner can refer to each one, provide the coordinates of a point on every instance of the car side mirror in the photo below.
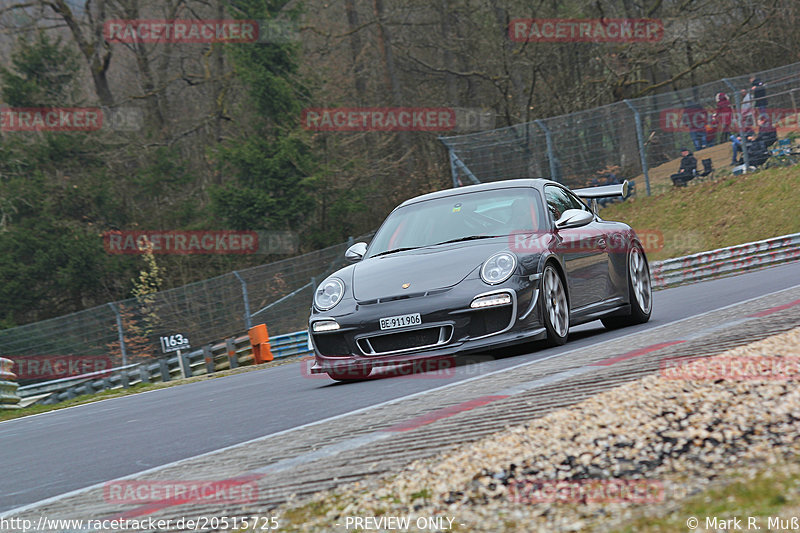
(574, 218)
(355, 253)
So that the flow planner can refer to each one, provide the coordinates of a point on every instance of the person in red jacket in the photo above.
(723, 115)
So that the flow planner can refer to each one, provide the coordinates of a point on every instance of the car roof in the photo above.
(536, 183)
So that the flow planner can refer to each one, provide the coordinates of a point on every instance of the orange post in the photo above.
(259, 340)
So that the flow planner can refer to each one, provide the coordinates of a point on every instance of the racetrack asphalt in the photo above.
(57, 452)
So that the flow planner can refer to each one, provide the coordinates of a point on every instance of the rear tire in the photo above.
(556, 307)
(346, 375)
(640, 292)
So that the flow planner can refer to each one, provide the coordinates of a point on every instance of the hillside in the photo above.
(723, 212)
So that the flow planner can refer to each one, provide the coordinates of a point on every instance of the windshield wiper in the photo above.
(395, 251)
(470, 238)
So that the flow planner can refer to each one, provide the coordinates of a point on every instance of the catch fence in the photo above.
(278, 294)
(626, 138)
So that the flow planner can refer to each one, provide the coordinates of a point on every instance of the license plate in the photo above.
(401, 321)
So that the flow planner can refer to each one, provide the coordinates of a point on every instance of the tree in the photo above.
(269, 163)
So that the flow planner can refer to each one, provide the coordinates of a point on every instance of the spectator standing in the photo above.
(697, 118)
(759, 94)
(722, 115)
(747, 109)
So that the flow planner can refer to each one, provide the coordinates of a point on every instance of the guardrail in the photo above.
(725, 261)
(232, 353)
(237, 351)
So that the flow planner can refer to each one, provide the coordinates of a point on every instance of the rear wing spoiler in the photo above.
(604, 191)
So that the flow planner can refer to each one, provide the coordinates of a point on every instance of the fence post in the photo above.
(120, 333)
(550, 153)
(246, 299)
(640, 139)
(456, 164)
(741, 120)
(453, 167)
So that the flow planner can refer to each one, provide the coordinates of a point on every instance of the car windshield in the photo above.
(473, 215)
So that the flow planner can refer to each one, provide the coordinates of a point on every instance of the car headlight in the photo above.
(498, 268)
(329, 294)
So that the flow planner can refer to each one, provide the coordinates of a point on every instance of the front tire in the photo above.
(556, 307)
(640, 292)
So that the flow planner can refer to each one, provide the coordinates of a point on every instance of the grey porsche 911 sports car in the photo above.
(479, 267)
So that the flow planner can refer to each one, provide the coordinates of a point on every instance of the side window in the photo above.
(576, 202)
(559, 200)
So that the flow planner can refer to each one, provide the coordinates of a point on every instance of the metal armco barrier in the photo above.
(231, 353)
(725, 261)
(8, 386)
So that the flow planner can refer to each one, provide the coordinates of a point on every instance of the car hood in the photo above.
(424, 269)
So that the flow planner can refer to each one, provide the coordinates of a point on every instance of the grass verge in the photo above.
(758, 499)
(727, 211)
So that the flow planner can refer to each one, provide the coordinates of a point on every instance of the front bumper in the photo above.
(449, 326)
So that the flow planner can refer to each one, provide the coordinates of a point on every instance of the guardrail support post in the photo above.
(144, 374)
(209, 359)
(125, 379)
(550, 151)
(230, 348)
(640, 139)
(164, 367)
(183, 362)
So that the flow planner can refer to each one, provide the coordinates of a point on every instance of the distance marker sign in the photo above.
(172, 343)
